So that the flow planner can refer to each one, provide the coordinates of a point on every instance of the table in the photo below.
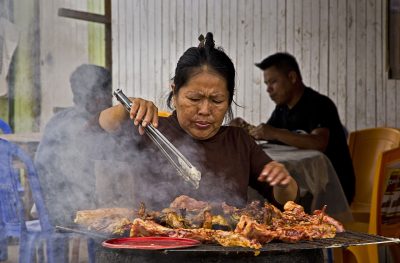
(27, 141)
(317, 179)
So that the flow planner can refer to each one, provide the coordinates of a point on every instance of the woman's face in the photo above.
(201, 104)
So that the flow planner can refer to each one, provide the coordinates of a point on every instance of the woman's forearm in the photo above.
(112, 118)
(287, 193)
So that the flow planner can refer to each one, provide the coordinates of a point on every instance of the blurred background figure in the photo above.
(71, 143)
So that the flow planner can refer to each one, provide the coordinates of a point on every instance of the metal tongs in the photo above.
(188, 172)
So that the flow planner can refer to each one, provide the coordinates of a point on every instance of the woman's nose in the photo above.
(205, 107)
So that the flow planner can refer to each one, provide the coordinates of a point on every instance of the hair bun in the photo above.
(210, 44)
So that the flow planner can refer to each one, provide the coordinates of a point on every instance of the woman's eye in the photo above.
(194, 99)
(218, 101)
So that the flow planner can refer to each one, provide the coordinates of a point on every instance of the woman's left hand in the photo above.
(285, 187)
(275, 174)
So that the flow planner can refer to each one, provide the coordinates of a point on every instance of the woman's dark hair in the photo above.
(205, 54)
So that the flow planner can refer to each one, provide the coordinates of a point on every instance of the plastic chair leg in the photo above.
(3, 250)
(27, 247)
(91, 250)
(57, 249)
(357, 254)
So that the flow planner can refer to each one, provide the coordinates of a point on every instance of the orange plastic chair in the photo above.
(163, 114)
(387, 164)
(388, 169)
(365, 147)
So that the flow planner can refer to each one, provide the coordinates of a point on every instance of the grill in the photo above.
(303, 251)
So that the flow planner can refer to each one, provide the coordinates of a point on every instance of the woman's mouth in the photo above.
(202, 125)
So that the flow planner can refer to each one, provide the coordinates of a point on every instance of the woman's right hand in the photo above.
(142, 113)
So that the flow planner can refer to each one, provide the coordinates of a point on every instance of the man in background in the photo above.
(71, 143)
(302, 118)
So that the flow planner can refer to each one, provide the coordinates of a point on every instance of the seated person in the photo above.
(70, 143)
(228, 158)
(302, 118)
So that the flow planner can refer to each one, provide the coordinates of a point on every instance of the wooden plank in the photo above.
(315, 50)
(172, 35)
(266, 106)
(225, 26)
(180, 22)
(217, 17)
(370, 85)
(290, 26)
(281, 26)
(81, 15)
(380, 14)
(306, 41)
(241, 69)
(397, 108)
(144, 50)
(108, 35)
(298, 21)
(96, 35)
(188, 36)
(247, 62)
(210, 16)
(136, 70)
(255, 86)
(202, 13)
(233, 47)
(341, 60)
(158, 81)
(351, 66)
(151, 47)
(115, 46)
(128, 51)
(333, 42)
(324, 48)
(271, 43)
(360, 63)
(195, 30)
(121, 25)
(167, 73)
(391, 105)
(272, 23)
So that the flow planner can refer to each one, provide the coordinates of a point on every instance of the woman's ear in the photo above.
(173, 89)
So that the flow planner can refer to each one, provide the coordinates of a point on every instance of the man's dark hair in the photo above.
(284, 62)
(88, 79)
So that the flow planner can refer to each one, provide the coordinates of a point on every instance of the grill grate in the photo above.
(344, 239)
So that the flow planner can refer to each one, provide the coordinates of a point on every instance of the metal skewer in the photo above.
(188, 172)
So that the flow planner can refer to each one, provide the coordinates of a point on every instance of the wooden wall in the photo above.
(340, 46)
(65, 44)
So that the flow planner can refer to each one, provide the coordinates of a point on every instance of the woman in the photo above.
(227, 157)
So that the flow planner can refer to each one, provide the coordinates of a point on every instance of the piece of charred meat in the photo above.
(188, 203)
(225, 238)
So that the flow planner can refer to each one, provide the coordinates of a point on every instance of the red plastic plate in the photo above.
(150, 243)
